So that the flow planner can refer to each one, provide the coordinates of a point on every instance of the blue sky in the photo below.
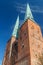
(9, 10)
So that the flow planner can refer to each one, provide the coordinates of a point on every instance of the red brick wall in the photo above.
(35, 41)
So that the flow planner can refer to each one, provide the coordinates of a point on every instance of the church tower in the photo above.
(30, 41)
(11, 45)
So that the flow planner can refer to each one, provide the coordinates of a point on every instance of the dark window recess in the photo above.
(14, 51)
(16, 47)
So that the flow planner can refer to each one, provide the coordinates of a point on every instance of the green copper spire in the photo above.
(28, 14)
(16, 28)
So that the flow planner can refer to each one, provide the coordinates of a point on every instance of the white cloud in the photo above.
(37, 11)
(22, 7)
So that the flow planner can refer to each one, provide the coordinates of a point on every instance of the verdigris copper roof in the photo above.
(28, 14)
(16, 28)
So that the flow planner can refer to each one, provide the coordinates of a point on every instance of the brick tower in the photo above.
(26, 45)
(9, 57)
(29, 44)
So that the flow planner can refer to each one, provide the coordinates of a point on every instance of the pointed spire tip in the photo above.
(28, 14)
